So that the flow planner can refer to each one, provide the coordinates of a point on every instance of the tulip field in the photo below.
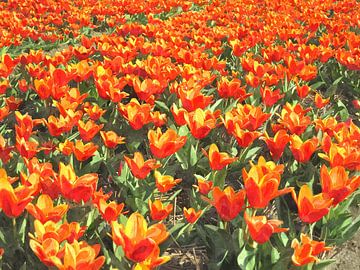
(153, 134)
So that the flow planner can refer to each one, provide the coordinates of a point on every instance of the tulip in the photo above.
(228, 203)
(261, 228)
(306, 251)
(165, 144)
(311, 207)
(218, 160)
(140, 168)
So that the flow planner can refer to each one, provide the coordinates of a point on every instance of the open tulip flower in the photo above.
(13, 201)
(140, 168)
(261, 228)
(218, 160)
(44, 209)
(306, 251)
(137, 239)
(262, 183)
(311, 207)
(227, 202)
(165, 144)
(158, 211)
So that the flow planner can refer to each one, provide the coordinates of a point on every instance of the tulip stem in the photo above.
(14, 229)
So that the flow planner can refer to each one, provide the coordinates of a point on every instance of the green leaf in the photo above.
(322, 264)
(219, 178)
(246, 258)
(193, 155)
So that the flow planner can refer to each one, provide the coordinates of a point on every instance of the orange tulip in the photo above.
(233, 88)
(165, 144)
(218, 160)
(137, 115)
(94, 112)
(13, 201)
(262, 183)
(165, 182)
(270, 97)
(311, 207)
(154, 260)
(277, 144)
(204, 186)
(137, 239)
(244, 138)
(84, 151)
(44, 209)
(46, 251)
(345, 156)
(66, 147)
(58, 126)
(27, 149)
(109, 211)
(140, 168)
(320, 102)
(89, 130)
(192, 215)
(336, 183)
(261, 228)
(306, 251)
(60, 232)
(303, 151)
(76, 188)
(111, 139)
(201, 122)
(228, 203)
(5, 151)
(192, 99)
(158, 211)
(158, 119)
(179, 115)
(294, 118)
(303, 90)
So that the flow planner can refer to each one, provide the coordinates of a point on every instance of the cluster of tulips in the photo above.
(226, 124)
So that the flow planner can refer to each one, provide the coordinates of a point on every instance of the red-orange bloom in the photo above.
(137, 115)
(228, 203)
(137, 239)
(201, 122)
(262, 183)
(140, 168)
(233, 88)
(270, 97)
(276, 144)
(306, 251)
(111, 139)
(294, 118)
(44, 209)
(192, 215)
(203, 185)
(158, 211)
(89, 130)
(303, 151)
(311, 207)
(336, 183)
(109, 211)
(218, 160)
(179, 115)
(13, 201)
(320, 102)
(165, 144)
(165, 182)
(261, 228)
(84, 151)
(76, 188)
